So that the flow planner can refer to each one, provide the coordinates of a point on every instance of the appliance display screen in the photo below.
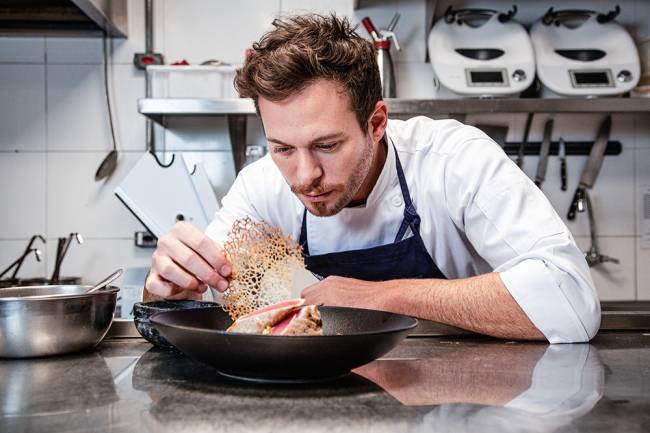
(591, 78)
(486, 77)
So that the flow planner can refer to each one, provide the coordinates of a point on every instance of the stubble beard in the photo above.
(350, 189)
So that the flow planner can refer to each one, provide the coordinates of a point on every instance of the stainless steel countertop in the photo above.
(426, 384)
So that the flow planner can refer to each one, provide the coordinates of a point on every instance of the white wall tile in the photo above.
(22, 50)
(76, 203)
(10, 250)
(96, 258)
(66, 50)
(642, 162)
(642, 130)
(127, 86)
(198, 30)
(78, 115)
(642, 272)
(614, 282)
(342, 8)
(22, 194)
(414, 80)
(22, 107)
(124, 48)
(76, 106)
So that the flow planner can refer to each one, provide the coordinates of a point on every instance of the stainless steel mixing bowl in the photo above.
(34, 323)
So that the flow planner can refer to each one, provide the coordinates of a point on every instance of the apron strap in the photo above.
(411, 217)
(303, 234)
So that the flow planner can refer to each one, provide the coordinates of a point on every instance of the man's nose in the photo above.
(308, 169)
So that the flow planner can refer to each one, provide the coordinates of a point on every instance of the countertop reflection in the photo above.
(425, 384)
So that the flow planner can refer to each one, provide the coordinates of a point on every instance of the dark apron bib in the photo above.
(404, 258)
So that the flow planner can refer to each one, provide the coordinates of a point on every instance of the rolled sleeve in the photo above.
(515, 229)
(564, 309)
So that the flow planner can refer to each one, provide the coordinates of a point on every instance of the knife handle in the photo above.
(563, 174)
(577, 197)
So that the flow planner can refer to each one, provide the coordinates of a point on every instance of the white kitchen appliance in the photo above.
(481, 52)
(584, 53)
(160, 195)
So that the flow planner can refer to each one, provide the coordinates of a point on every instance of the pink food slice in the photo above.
(257, 321)
(284, 323)
(282, 304)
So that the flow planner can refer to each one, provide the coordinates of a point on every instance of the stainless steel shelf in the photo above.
(159, 108)
(237, 110)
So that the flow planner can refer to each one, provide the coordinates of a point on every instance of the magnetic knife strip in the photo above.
(572, 148)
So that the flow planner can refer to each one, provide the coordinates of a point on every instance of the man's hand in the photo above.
(185, 262)
(343, 292)
(482, 304)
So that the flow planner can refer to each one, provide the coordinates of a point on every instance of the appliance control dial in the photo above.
(518, 75)
(624, 76)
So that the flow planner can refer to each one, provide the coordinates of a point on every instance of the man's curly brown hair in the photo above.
(304, 48)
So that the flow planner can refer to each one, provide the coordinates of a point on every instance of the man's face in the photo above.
(316, 142)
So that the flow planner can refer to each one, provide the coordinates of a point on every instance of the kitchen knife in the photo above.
(524, 141)
(543, 153)
(592, 168)
(561, 152)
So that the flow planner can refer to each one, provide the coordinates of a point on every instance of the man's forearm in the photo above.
(481, 304)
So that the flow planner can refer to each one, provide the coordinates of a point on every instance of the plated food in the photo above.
(290, 317)
(264, 262)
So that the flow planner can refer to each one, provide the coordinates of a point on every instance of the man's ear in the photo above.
(378, 121)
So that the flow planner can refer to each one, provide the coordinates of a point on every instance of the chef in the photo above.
(422, 217)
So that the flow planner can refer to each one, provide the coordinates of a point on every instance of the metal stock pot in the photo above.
(52, 320)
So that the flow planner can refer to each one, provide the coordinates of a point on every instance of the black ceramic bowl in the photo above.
(143, 310)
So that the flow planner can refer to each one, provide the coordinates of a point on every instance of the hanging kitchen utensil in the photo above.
(592, 168)
(561, 152)
(585, 53)
(481, 52)
(12, 281)
(62, 249)
(108, 165)
(543, 153)
(352, 337)
(593, 255)
(17, 264)
(521, 152)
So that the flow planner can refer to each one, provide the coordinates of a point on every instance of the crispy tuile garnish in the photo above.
(263, 264)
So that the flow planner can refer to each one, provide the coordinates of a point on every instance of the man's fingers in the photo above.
(168, 270)
(159, 287)
(187, 294)
(193, 263)
(203, 245)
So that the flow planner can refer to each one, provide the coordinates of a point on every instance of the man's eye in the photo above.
(279, 149)
(330, 146)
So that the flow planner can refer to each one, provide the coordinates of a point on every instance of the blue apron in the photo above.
(404, 258)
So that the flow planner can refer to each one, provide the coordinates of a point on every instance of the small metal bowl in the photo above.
(34, 323)
(143, 310)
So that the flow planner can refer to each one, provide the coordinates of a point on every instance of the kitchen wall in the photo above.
(54, 130)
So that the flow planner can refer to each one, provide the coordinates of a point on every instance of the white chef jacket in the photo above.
(479, 213)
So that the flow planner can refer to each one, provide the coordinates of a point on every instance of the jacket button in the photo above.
(397, 201)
